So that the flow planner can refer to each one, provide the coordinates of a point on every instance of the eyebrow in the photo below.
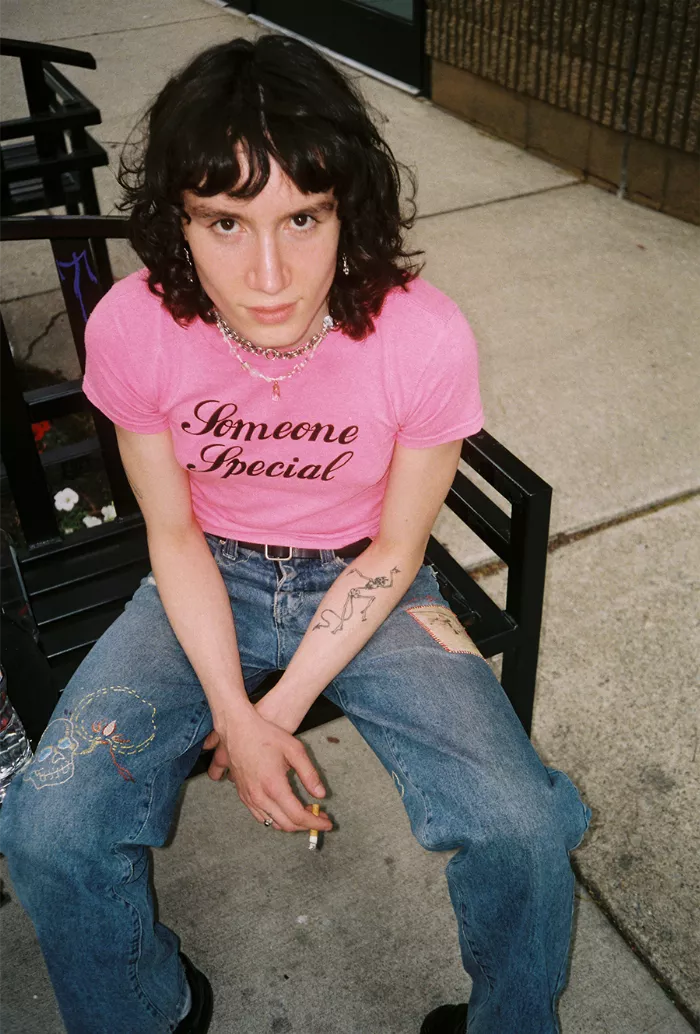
(206, 212)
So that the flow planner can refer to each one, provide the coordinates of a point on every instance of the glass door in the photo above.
(387, 36)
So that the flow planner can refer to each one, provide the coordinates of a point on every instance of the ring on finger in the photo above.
(267, 821)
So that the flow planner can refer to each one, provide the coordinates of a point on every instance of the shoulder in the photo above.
(420, 309)
(421, 319)
(128, 300)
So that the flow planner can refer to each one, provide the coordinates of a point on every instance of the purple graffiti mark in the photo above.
(75, 264)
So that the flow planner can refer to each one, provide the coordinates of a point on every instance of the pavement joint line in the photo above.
(500, 200)
(566, 538)
(628, 937)
(132, 28)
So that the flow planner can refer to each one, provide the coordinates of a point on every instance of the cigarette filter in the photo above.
(313, 833)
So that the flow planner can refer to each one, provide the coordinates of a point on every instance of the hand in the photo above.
(258, 754)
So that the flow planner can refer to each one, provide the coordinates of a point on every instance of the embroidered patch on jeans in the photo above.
(444, 627)
(134, 731)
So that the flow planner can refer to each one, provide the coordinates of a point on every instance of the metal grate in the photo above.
(631, 65)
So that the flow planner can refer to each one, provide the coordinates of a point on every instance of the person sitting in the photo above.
(290, 397)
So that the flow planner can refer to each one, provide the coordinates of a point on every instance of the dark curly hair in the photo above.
(279, 98)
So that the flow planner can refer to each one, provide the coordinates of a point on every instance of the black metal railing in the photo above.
(72, 240)
(631, 65)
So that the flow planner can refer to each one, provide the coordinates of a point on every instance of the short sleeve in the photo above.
(119, 367)
(446, 404)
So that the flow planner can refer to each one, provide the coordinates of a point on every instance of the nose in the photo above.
(268, 272)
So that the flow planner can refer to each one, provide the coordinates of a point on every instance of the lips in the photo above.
(278, 314)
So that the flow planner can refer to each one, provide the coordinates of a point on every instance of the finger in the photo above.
(295, 812)
(212, 740)
(219, 763)
(260, 816)
(301, 763)
(259, 813)
(279, 817)
(273, 801)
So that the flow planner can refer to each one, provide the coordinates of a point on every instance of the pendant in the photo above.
(275, 391)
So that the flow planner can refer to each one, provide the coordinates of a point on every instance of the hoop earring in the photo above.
(346, 267)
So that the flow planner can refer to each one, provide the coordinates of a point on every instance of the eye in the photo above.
(64, 744)
(44, 754)
(225, 226)
(303, 221)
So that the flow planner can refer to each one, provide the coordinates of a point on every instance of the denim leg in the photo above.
(436, 716)
(77, 825)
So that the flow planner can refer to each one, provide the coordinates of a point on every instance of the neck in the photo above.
(314, 327)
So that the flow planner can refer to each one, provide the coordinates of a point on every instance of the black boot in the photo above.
(199, 1017)
(446, 1019)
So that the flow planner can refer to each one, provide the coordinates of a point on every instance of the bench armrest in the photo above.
(28, 49)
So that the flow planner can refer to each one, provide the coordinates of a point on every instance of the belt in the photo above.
(294, 552)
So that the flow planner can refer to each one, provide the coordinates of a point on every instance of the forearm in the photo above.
(199, 610)
(356, 604)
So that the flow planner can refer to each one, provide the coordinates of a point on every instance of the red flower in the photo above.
(40, 429)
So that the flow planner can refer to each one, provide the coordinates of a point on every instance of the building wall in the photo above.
(609, 88)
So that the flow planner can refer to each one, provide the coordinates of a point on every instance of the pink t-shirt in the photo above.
(309, 469)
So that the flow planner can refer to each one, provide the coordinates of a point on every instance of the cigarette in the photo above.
(313, 833)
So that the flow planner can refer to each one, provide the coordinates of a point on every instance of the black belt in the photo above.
(294, 552)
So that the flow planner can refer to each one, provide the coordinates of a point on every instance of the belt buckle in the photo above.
(268, 557)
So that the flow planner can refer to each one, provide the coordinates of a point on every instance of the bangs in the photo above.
(229, 153)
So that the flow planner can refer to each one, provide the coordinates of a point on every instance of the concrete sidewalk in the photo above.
(586, 309)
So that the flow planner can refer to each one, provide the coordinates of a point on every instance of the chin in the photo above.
(288, 333)
(279, 334)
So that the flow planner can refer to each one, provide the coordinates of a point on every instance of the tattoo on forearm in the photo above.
(362, 592)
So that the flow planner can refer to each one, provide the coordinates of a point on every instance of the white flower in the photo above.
(91, 522)
(109, 512)
(65, 499)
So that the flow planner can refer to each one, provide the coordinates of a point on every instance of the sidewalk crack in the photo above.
(566, 538)
(32, 344)
(130, 28)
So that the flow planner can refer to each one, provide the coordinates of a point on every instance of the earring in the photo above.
(189, 272)
(346, 267)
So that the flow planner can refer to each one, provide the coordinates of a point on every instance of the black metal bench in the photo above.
(75, 587)
(47, 159)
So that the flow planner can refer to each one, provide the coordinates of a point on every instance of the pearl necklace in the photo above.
(230, 336)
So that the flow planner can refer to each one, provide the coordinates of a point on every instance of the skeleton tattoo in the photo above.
(362, 592)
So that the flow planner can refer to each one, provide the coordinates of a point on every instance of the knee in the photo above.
(40, 825)
(524, 826)
(23, 834)
(572, 815)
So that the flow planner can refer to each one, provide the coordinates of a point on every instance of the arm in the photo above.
(199, 610)
(366, 592)
(200, 617)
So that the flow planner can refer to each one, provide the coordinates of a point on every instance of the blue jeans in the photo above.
(77, 825)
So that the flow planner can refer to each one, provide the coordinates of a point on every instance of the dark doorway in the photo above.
(384, 35)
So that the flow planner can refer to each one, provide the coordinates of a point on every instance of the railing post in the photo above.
(21, 459)
(525, 595)
(82, 290)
